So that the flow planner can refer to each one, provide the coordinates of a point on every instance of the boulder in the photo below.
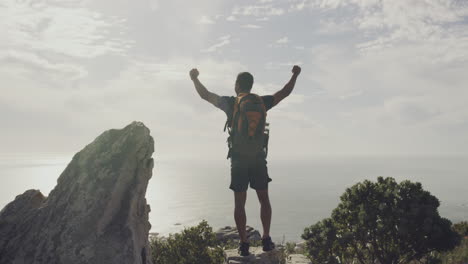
(257, 256)
(229, 233)
(97, 212)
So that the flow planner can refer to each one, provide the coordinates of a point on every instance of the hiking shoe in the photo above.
(244, 249)
(268, 245)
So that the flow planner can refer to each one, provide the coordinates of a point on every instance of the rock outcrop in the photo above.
(229, 233)
(257, 256)
(97, 213)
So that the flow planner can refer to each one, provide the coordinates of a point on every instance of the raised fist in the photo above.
(296, 70)
(194, 73)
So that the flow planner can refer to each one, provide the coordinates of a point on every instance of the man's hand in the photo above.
(296, 70)
(194, 73)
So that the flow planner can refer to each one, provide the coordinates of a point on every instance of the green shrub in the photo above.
(290, 248)
(381, 222)
(457, 256)
(461, 228)
(234, 244)
(193, 245)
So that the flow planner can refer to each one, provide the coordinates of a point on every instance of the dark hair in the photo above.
(245, 81)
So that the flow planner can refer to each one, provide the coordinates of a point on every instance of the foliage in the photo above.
(290, 248)
(381, 222)
(193, 245)
(461, 228)
(233, 244)
(457, 256)
(283, 255)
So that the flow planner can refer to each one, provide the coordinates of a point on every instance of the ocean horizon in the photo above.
(181, 193)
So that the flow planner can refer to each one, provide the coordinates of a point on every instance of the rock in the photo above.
(298, 259)
(97, 213)
(229, 233)
(257, 256)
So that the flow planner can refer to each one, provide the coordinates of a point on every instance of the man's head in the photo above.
(244, 82)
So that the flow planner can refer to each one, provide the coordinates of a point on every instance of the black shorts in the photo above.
(249, 170)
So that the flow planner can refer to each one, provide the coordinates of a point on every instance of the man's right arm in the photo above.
(201, 89)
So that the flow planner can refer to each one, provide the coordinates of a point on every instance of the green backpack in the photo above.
(247, 127)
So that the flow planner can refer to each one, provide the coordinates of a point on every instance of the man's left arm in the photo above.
(288, 88)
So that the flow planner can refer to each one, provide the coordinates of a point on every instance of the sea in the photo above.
(182, 193)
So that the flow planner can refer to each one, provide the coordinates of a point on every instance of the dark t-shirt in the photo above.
(226, 103)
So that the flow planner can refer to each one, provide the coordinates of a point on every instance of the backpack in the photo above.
(247, 134)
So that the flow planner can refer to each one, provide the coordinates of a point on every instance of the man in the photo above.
(245, 169)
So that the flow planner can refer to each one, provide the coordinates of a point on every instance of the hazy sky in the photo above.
(379, 77)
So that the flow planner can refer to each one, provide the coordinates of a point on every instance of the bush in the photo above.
(193, 245)
(459, 255)
(461, 228)
(381, 222)
(290, 248)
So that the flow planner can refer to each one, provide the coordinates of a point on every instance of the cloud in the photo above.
(278, 65)
(154, 4)
(223, 41)
(298, 5)
(333, 27)
(258, 10)
(283, 40)
(351, 93)
(162, 94)
(159, 92)
(388, 22)
(398, 90)
(410, 110)
(33, 61)
(70, 30)
(251, 26)
(378, 75)
(204, 20)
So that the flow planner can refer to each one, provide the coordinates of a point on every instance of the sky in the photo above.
(379, 77)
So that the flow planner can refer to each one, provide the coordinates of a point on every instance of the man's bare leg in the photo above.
(265, 211)
(239, 214)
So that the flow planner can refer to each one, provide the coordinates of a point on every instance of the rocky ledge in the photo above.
(229, 233)
(97, 213)
(257, 256)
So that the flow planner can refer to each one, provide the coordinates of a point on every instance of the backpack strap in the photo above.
(261, 125)
(235, 112)
(227, 125)
(231, 121)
